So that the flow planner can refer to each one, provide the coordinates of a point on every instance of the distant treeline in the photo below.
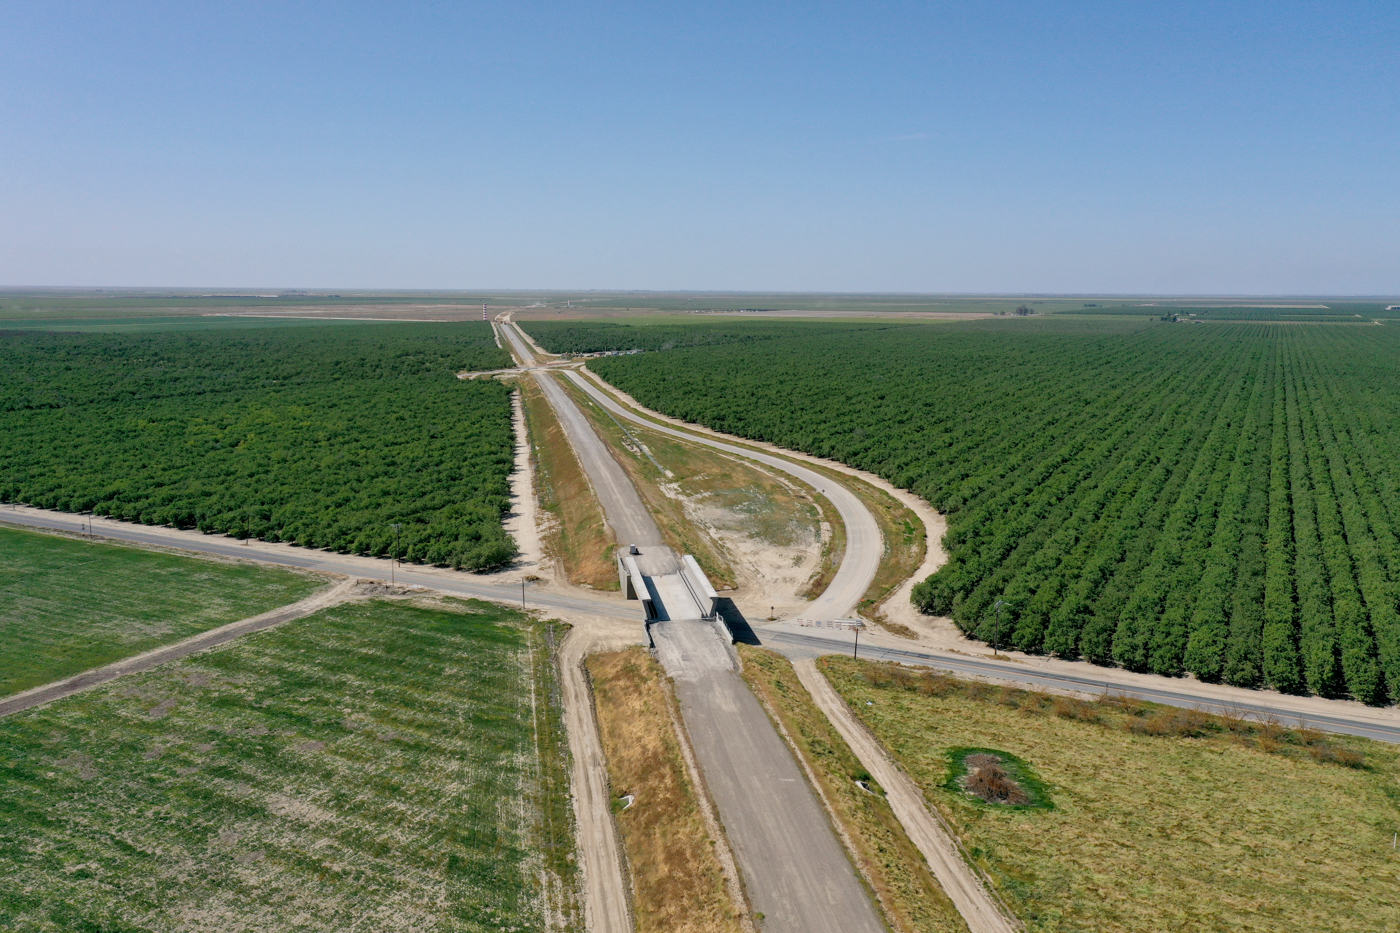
(598, 337)
(324, 437)
(1222, 500)
(1334, 312)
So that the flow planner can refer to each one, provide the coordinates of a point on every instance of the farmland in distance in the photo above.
(1217, 499)
(391, 765)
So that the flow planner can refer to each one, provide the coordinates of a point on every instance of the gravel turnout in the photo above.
(385, 765)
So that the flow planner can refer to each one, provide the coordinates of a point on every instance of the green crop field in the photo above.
(322, 436)
(1222, 499)
(376, 766)
(1144, 819)
(67, 605)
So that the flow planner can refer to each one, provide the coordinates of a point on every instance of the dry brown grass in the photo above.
(579, 537)
(678, 885)
(890, 863)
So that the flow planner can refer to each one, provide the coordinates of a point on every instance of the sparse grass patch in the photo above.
(381, 765)
(677, 883)
(68, 605)
(1162, 819)
(892, 865)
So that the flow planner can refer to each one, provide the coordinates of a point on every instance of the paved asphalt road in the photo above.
(811, 643)
(456, 583)
(795, 870)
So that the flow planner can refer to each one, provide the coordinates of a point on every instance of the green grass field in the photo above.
(1237, 828)
(68, 605)
(376, 766)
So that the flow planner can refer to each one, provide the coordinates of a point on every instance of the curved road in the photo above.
(864, 545)
(864, 550)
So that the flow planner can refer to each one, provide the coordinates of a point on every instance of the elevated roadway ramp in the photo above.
(795, 869)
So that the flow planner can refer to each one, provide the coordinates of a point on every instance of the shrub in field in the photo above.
(987, 779)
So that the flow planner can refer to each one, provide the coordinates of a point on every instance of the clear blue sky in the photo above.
(951, 147)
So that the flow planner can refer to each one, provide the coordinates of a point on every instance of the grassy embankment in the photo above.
(890, 863)
(678, 885)
(67, 605)
(579, 537)
(386, 764)
(1162, 819)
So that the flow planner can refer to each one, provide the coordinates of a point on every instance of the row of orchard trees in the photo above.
(1220, 500)
(325, 437)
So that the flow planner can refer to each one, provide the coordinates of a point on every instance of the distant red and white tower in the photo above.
(483, 313)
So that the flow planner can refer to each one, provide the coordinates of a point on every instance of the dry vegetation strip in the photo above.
(890, 863)
(383, 765)
(579, 538)
(1162, 819)
(677, 883)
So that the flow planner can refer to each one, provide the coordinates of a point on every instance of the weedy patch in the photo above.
(996, 777)
(379, 765)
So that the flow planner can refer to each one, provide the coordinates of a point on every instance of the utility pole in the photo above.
(394, 556)
(856, 649)
(522, 593)
(996, 632)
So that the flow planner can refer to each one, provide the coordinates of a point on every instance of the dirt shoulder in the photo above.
(858, 801)
(679, 881)
(606, 901)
